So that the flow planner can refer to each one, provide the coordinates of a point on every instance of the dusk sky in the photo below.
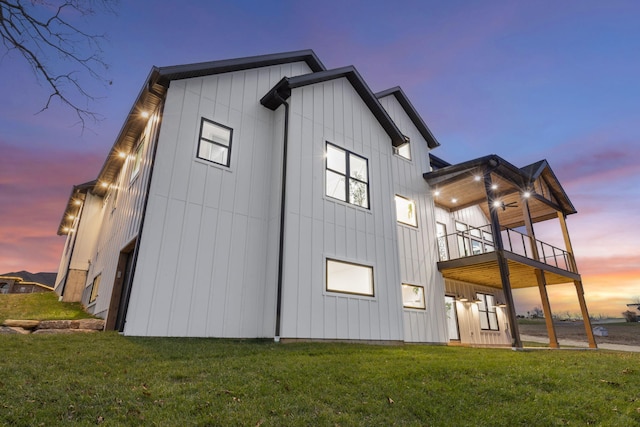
(523, 80)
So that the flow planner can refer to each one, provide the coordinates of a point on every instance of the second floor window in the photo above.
(347, 176)
(215, 142)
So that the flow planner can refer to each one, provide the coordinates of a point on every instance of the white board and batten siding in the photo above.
(319, 227)
(202, 269)
(468, 315)
(119, 217)
(417, 245)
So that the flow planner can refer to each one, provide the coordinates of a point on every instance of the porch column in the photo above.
(577, 283)
(542, 282)
(502, 262)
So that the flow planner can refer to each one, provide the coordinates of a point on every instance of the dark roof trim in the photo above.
(412, 113)
(437, 162)
(200, 69)
(282, 91)
(78, 192)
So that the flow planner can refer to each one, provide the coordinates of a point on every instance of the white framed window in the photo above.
(443, 245)
(413, 296)
(214, 144)
(487, 312)
(406, 211)
(346, 176)
(403, 150)
(137, 159)
(349, 278)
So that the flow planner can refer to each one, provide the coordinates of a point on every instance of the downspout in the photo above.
(123, 307)
(282, 213)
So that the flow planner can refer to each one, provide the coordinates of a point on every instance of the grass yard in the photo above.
(113, 380)
(39, 306)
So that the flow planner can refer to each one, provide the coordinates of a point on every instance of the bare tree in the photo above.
(48, 34)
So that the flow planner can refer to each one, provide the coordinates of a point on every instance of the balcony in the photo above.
(469, 255)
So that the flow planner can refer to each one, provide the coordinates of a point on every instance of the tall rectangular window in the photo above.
(406, 211)
(349, 278)
(137, 160)
(95, 286)
(487, 312)
(214, 144)
(443, 246)
(347, 176)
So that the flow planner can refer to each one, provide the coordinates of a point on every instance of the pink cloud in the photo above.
(34, 187)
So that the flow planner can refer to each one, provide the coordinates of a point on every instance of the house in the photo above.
(23, 282)
(270, 197)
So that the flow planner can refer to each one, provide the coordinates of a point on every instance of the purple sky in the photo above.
(524, 80)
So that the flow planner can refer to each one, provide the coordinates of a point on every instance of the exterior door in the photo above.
(452, 318)
(117, 305)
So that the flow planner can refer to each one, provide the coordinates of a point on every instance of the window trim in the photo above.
(415, 211)
(201, 138)
(138, 154)
(347, 176)
(489, 310)
(396, 150)
(339, 292)
(424, 298)
(95, 287)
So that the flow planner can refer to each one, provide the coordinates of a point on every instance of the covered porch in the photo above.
(505, 254)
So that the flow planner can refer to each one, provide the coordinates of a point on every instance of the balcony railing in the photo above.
(479, 240)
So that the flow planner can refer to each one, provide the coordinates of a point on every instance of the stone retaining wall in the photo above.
(10, 326)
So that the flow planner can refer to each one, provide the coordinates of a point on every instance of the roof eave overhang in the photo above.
(411, 111)
(282, 91)
(76, 199)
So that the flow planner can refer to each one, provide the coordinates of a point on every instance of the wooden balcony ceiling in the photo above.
(483, 270)
(461, 186)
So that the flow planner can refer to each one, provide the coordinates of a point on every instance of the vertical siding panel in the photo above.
(183, 286)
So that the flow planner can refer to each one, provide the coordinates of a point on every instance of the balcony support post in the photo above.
(577, 283)
(542, 282)
(502, 262)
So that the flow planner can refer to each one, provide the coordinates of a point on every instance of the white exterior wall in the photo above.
(209, 230)
(118, 215)
(318, 227)
(417, 246)
(468, 320)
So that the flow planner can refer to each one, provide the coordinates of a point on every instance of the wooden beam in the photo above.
(585, 314)
(542, 283)
(502, 263)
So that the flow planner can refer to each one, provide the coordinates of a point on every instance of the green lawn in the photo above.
(39, 306)
(113, 380)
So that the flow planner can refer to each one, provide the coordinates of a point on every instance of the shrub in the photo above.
(630, 316)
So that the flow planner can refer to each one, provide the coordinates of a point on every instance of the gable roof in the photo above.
(282, 91)
(155, 88)
(200, 69)
(411, 111)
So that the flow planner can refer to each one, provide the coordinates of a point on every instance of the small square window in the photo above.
(349, 278)
(413, 296)
(406, 211)
(403, 150)
(214, 144)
